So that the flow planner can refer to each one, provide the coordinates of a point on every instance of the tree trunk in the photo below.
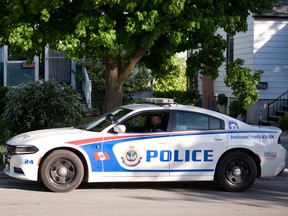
(113, 89)
(115, 78)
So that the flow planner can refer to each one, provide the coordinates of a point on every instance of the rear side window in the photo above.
(196, 121)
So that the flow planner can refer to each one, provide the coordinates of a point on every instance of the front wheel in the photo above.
(236, 172)
(62, 171)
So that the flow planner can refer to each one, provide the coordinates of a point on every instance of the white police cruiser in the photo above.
(195, 144)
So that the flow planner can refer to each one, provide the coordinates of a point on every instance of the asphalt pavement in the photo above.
(284, 142)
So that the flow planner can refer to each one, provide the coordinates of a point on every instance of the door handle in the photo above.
(161, 143)
(218, 139)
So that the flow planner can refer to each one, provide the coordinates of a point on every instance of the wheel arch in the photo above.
(75, 151)
(254, 156)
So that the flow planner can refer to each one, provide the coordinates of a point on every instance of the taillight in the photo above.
(258, 158)
(283, 138)
(279, 139)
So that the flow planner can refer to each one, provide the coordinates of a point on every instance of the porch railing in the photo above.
(87, 88)
(277, 107)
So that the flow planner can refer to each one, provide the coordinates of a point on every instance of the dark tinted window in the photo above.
(101, 122)
(196, 121)
(141, 122)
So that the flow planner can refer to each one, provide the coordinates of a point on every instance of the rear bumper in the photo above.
(273, 162)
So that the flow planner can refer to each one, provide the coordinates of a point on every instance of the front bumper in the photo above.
(21, 167)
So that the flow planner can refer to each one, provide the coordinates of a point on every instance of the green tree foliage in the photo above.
(236, 108)
(181, 97)
(126, 32)
(173, 83)
(243, 82)
(96, 70)
(207, 56)
(140, 80)
(43, 104)
(174, 77)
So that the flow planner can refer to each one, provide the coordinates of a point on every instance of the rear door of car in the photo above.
(197, 142)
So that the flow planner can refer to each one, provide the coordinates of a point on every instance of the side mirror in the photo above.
(120, 129)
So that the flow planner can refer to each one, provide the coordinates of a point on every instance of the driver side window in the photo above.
(137, 121)
(142, 123)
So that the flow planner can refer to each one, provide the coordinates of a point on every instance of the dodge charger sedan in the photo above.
(191, 144)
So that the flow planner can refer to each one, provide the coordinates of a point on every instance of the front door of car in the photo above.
(197, 142)
(138, 151)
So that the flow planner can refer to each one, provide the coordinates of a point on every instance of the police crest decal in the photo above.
(131, 157)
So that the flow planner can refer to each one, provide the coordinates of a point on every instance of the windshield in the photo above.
(100, 123)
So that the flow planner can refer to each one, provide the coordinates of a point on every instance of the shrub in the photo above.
(243, 82)
(284, 123)
(235, 108)
(3, 149)
(43, 104)
(222, 99)
(5, 132)
(3, 91)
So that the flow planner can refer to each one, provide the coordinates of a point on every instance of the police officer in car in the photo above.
(156, 121)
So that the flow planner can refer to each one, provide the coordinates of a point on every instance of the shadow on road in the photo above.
(267, 189)
(273, 190)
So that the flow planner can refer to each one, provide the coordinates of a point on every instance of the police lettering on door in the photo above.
(180, 156)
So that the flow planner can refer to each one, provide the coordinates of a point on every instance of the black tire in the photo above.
(236, 172)
(280, 173)
(62, 171)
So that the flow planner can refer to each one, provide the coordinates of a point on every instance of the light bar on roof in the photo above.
(159, 100)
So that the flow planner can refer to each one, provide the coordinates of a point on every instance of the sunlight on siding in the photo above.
(265, 30)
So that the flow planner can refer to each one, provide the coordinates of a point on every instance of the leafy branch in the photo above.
(243, 82)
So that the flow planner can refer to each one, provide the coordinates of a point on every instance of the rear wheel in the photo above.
(236, 172)
(62, 171)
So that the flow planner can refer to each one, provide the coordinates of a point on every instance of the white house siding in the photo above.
(243, 48)
(271, 55)
(264, 46)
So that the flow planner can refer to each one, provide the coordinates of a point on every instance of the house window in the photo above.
(230, 49)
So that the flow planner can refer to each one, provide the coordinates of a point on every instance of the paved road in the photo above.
(267, 197)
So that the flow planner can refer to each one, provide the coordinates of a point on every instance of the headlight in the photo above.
(25, 149)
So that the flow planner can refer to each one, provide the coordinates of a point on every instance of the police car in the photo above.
(195, 144)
